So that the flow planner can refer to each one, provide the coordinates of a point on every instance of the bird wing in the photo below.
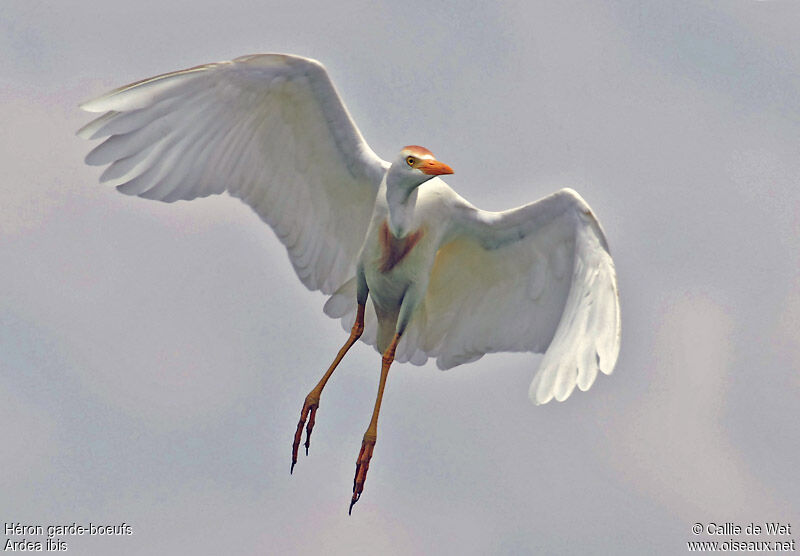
(536, 278)
(271, 130)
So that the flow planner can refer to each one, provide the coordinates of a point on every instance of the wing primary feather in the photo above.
(126, 168)
(145, 92)
(161, 162)
(196, 160)
(125, 122)
(89, 131)
(122, 146)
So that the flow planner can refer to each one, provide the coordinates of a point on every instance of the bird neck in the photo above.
(401, 202)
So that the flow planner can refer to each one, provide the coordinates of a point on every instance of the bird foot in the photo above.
(309, 413)
(362, 466)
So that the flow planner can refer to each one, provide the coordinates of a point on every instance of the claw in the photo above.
(362, 466)
(308, 413)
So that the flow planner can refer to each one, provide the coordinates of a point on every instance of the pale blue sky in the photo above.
(154, 358)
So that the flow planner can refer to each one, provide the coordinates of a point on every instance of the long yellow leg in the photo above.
(368, 444)
(312, 400)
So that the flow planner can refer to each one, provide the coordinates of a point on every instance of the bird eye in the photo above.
(411, 160)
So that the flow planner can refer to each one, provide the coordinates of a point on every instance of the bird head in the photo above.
(414, 166)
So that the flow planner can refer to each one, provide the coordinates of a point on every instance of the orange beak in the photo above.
(434, 168)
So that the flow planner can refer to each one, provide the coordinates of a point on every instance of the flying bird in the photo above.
(407, 264)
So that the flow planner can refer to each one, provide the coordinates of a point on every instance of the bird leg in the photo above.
(311, 403)
(368, 444)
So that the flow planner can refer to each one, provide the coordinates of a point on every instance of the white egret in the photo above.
(446, 280)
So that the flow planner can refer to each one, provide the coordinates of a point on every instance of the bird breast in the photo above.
(394, 249)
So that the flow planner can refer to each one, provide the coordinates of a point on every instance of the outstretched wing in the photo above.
(271, 130)
(536, 278)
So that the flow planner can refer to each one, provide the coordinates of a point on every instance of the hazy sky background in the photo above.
(154, 358)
